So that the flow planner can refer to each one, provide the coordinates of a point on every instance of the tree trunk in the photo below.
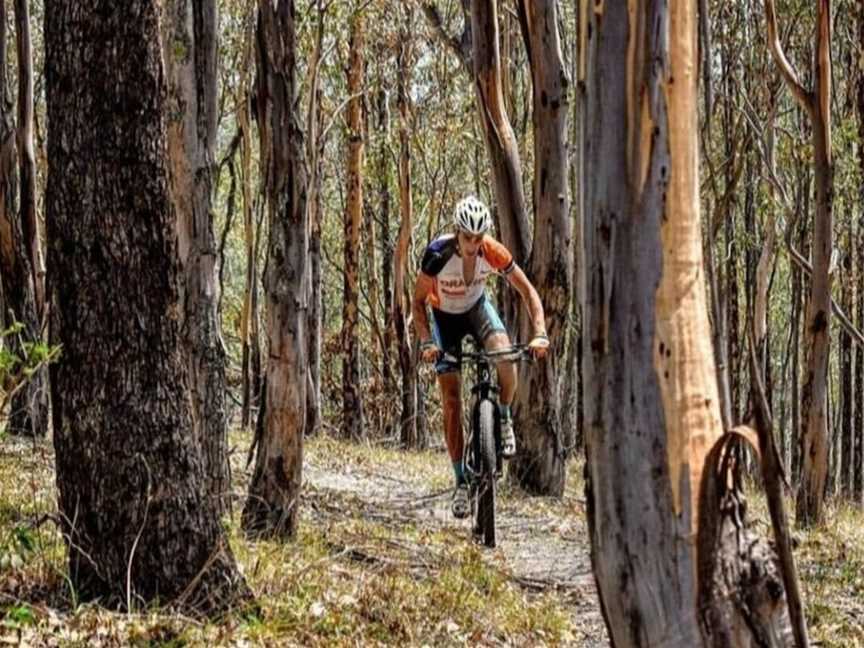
(795, 371)
(814, 393)
(570, 380)
(652, 408)
(858, 427)
(248, 313)
(762, 278)
(190, 55)
(314, 148)
(540, 464)
(137, 520)
(799, 307)
(409, 428)
(29, 408)
(352, 403)
(500, 141)
(26, 158)
(316, 307)
(847, 443)
(272, 505)
(733, 335)
(385, 242)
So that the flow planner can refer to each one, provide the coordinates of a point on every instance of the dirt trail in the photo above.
(543, 543)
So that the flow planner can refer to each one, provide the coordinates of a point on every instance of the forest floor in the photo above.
(378, 561)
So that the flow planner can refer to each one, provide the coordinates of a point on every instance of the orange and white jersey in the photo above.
(442, 262)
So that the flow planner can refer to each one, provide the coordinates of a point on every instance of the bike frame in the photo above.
(484, 389)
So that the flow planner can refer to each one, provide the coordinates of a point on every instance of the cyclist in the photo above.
(452, 281)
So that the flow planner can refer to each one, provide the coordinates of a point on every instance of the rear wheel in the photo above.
(485, 526)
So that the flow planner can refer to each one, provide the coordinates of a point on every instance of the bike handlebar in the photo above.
(512, 354)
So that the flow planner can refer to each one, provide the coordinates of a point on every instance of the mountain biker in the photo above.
(452, 281)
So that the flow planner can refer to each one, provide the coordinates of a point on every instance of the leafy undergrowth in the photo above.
(378, 561)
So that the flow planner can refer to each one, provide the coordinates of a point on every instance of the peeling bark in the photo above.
(540, 464)
(272, 506)
(652, 408)
(624, 413)
(190, 33)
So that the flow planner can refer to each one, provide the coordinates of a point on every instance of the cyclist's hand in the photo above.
(539, 345)
(429, 351)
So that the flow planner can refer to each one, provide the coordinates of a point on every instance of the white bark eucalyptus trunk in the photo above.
(652, 410)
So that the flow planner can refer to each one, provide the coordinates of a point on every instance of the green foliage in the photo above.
(18, 616)
(20, 359)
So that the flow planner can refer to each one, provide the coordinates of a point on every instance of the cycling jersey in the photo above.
(442, 262)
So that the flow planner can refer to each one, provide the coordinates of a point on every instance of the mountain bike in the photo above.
(482, 460)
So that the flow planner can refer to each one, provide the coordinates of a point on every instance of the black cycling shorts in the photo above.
(448, 329)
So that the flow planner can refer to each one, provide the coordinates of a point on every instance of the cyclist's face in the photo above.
(469, 244)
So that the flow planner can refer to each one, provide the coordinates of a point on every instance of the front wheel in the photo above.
(487, 462)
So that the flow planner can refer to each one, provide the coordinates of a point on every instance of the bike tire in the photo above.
(488, 463)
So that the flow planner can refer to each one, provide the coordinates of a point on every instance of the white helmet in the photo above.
(471, 216)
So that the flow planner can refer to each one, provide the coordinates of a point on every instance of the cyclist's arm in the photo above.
(516, 277)
(422, 289)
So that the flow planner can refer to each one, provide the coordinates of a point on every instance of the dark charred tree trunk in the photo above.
(795, 370)
(410, 431)
(190, 54)
(539, 466)
(29, 407)
(316, 308)
(732, 301)
(352, 402)
(847, 442)
(384, 241)
(137, 519)
(314, 162)
(799, 308)
(274, 493)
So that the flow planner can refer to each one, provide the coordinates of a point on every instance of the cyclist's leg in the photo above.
(451, 405)
(451, 400)
(447, 332)
(488, 327)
